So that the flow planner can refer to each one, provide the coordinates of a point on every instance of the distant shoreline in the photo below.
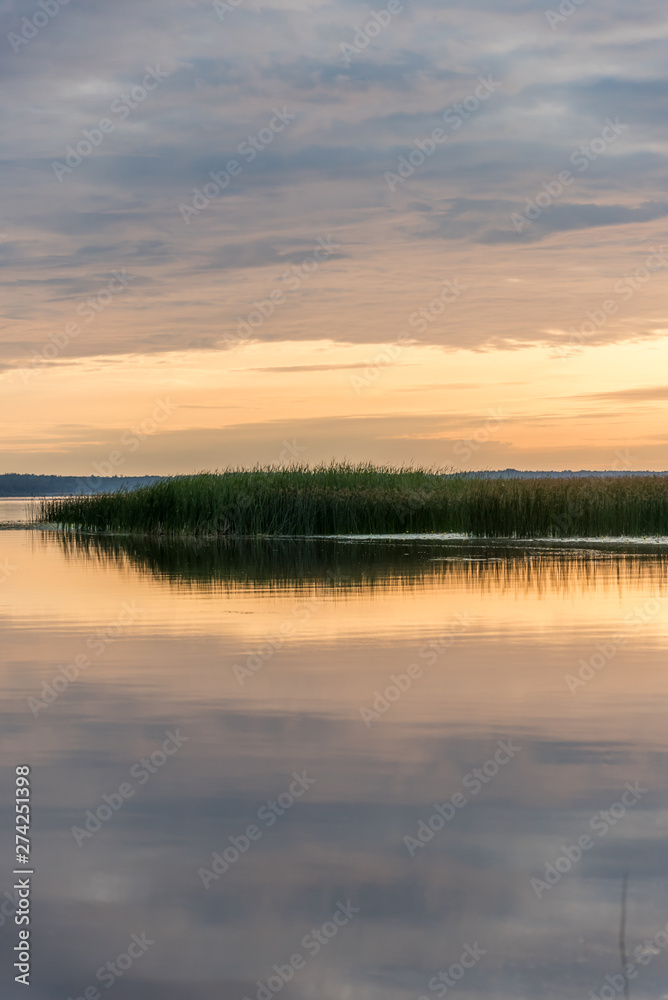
(20, 486)
(24, 486)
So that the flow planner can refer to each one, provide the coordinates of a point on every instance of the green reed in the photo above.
(342, 499)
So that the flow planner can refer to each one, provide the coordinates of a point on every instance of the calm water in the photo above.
(17, 509)
(264, 662)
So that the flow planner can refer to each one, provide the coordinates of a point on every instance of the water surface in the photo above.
(17, 509)
(543, 668)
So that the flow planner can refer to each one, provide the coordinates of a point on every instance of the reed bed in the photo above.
(345, 499)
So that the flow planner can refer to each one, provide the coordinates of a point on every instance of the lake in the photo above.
(16, 509)
(337, 770)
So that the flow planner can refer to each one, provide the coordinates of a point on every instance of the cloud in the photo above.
(305, 368)
(567, 217)
(324, 174)
(649, 393)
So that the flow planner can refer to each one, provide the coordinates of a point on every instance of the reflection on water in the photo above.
(332, 770)
(283, 562)
(17, 509)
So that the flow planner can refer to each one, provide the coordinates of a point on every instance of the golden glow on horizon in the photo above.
(238, 405)
(419, 399)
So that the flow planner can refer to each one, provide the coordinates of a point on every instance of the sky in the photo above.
(299, 230)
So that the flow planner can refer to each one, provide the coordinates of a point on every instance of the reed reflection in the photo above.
(350, 565)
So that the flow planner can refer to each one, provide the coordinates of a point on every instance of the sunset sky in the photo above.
(441, 239)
